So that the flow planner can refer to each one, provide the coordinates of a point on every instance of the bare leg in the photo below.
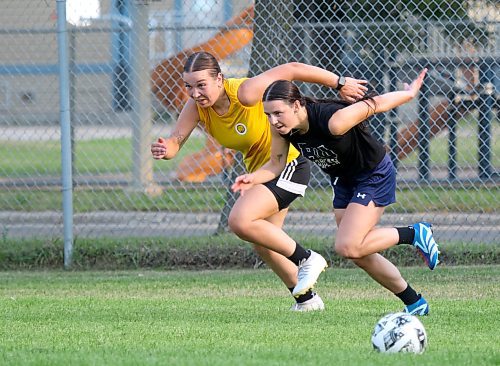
(282, 266)
(382, 271)
(359, 240)
(255, 218)
(249, 220)
(357, 235)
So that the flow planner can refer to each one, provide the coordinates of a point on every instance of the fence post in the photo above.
(72, 97)
(141, 100)
(65, 121)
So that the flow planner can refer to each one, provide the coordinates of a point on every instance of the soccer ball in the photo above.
(399, 332)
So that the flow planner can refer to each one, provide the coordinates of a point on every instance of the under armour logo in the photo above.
(362, 195)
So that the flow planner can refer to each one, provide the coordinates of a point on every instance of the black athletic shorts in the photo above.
(291, 183)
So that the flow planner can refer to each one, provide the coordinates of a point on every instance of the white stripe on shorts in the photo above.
(285, 182)
(287, 173)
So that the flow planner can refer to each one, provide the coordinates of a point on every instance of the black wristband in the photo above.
(340, 83)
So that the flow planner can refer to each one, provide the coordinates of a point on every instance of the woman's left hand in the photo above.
(415, 86)
(242, 183)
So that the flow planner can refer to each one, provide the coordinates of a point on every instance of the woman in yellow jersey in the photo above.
(232, 112)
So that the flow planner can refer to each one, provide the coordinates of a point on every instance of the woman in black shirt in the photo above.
(332, 135)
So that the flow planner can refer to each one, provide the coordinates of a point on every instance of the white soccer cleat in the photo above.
(313, 304)
(309, 271)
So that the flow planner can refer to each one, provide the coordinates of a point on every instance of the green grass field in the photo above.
(113, 156)
(188, 199)
(97, 156)
(237, 317)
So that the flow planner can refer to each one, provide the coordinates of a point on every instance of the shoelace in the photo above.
(302, 263)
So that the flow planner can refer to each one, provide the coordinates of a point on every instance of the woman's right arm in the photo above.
(270, 170)
(186, 123)
(251, 90)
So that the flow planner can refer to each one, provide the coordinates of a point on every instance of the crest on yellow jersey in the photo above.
(240, 128)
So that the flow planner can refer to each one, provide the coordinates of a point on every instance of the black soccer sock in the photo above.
(299, 254)
(409, 296)
(300, 299)
(406, 234)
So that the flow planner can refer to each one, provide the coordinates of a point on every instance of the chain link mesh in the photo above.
(125, 61)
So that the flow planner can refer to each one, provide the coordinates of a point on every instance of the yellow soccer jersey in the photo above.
(244, 129)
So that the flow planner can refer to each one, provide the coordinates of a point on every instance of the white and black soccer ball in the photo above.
(399, 332)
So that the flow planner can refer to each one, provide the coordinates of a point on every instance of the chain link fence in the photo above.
(125, 58)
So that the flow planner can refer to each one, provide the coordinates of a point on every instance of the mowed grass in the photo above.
(237, 317)
(99, 156)
(115, 155)
(213, 199)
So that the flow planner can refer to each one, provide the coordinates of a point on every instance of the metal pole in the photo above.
(72, 97)
(486, 103)
(377, 69)
(393, 113)
(178, 22)
(453, 109)
(227, 10)
(65, 122)
(141, 100)
(424, 133)
(120, 47)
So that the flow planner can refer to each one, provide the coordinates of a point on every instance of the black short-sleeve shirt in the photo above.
(339, 156)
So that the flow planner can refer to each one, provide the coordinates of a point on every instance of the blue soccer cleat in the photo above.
(425, 243)
(421, 307)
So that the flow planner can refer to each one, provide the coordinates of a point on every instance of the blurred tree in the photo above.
(273, 26)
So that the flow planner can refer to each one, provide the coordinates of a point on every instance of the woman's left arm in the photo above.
(346, 118)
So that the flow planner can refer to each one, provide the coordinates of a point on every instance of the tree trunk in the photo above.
(273, 30)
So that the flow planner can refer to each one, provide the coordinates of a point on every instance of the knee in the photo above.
(261, 251)
(348, 251)
(238, 225)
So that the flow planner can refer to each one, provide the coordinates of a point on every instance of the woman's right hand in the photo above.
(159, 148)
(353, 90)
(243, 183)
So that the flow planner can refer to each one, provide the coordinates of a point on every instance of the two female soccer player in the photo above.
(231, 111)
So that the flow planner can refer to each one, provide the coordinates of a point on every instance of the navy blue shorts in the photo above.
(377, 185)
(292, 182)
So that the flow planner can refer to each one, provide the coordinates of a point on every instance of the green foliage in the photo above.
(207, 252)
(395, 10)
(402, 25)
